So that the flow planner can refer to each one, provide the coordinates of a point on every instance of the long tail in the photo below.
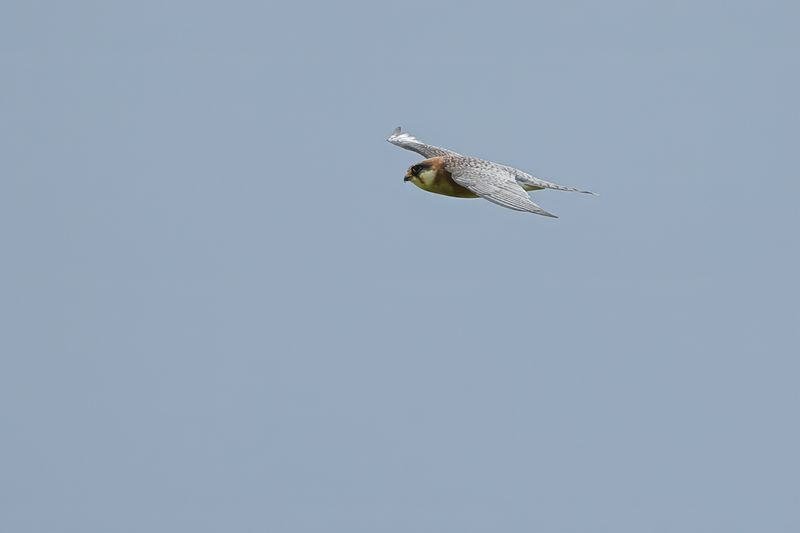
(526, 179)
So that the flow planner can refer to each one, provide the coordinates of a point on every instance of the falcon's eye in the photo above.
(416, 169)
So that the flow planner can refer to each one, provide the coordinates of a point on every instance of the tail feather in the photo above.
(526, 179)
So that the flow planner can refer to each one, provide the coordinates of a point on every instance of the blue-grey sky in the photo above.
(223, 310)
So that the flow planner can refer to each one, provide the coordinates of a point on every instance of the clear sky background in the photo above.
(223, 310)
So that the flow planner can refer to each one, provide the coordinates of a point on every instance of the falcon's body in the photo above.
(452, 174)
(432, 176)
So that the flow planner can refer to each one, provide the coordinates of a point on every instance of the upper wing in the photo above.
(493, 183)
(409, 142)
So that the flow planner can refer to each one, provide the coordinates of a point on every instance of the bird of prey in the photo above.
(452, 174)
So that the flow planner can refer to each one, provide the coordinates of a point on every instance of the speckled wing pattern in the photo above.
(492, 182)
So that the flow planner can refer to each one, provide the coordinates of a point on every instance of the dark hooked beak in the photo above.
(408, 176)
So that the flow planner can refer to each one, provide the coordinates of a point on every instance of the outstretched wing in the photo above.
(409, 142)
(493, 183)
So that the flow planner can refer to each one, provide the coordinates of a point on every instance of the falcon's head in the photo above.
(424, 173)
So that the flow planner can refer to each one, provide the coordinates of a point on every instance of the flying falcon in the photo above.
(452, 174)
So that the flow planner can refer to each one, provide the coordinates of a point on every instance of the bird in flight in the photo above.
(452, 174)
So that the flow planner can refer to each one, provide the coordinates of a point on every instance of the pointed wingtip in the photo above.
(543, 213)
(395, 132)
